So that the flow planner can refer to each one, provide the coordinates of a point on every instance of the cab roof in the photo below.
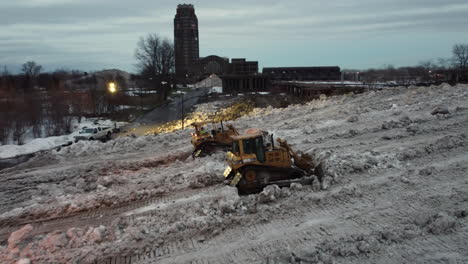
(247, 136)
(203, 123)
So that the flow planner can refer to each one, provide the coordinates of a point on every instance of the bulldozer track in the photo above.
(208, 148)
(255, 230)
(96, 216)
(245, 187)
(302, 234)
(330, 206)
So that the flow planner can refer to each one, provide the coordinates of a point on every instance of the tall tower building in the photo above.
(185, 41)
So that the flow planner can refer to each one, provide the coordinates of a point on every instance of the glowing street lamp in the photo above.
(111, 87)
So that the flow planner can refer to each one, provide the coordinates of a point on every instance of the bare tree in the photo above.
(31, 70)
(460, 55)
(5, 71)
(121, 81)
(77, 107)
(58, 111)
(427, 65)
(443, 63)
(19, 127)
(427, 68)
(155, 61)
(6, 121)
(34, 112)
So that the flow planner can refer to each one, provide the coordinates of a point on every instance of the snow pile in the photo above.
(382, 158)
(38, 144)
(48, 248)
(271, 193)
(440, 223)
(8, 151)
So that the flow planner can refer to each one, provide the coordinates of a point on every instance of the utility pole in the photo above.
(182, 111)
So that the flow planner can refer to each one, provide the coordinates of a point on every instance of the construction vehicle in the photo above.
(255, 162)
(211, 136)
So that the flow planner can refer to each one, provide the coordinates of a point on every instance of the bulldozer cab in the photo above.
(250, 148)
(257, 147)
(202, 128)
(205, 130)
(209, 136)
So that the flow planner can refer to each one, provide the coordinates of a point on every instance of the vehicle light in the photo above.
(230, 155)
(227, 171)
(236, 179)
(248, 160)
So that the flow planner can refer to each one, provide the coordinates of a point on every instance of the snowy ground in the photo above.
(37, 144)
(395, 191)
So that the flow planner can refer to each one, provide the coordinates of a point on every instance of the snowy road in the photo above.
(166, 113)
(395, 191)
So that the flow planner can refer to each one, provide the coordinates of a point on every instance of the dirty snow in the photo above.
(394, 191)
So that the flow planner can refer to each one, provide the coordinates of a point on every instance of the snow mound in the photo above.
(38, 144)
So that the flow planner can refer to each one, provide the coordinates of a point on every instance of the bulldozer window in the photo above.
(249, 146)
(235, 147)
(255, 146)
(260, 151)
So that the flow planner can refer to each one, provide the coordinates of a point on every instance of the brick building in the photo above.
(233, 84)
(186, 46)
(243, 67)
(303, 73)
(221, 66)
(211, 65)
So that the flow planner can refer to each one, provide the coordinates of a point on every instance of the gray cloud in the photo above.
(103, 33)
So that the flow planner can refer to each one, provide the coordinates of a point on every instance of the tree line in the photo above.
(45, 103)
(454, 69)
(35, 101)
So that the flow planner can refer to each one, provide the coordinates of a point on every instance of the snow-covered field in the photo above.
(37, 144)
(395, 191)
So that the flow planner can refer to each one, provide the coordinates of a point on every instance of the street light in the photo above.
(112, 87)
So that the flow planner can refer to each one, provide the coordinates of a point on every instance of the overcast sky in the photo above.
(97, 34)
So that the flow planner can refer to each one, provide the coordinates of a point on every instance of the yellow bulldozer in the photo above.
(255, 161)
(211, 136)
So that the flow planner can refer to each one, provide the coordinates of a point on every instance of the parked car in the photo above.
(94, 133)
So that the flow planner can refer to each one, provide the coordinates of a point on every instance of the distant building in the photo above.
(303, 73)
(221, 66)
(211, 65)
(239, 75)
(185, 41)
(308, 89)
(243, 67)
(244, 83)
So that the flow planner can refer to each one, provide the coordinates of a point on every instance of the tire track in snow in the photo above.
(96, 216)
(254, 230)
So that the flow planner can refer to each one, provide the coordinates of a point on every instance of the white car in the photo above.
(94, 133)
